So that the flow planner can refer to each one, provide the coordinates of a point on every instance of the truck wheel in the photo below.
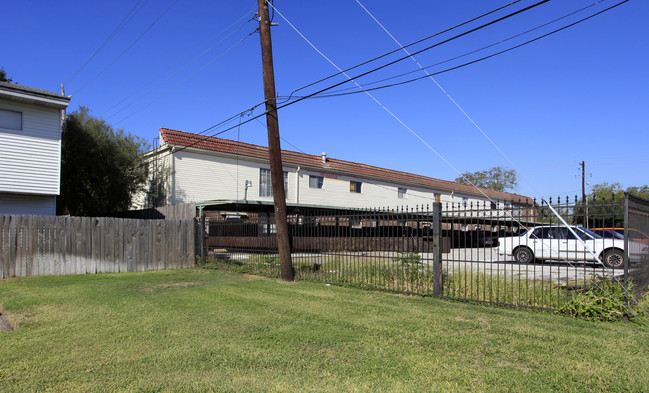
(613, 259)
(523, 255)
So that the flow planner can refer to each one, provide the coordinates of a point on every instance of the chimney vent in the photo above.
(324, 158)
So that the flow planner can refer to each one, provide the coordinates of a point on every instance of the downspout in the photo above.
(297, 185)
(173, 176)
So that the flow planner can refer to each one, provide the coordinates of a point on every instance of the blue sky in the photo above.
(581, 94)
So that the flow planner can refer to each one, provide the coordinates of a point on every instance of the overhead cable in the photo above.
(351, 79)
(406, 46)
(189, 77)
(202, 139)
(112, 35)
(139, 91)
(459, 56)
(127, 48)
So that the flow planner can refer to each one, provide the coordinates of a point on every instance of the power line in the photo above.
(466, 53)
(188, 78)
(351, 79)
(187, 64)
(406, 46)
(199, 140)
(464, 64)
(128, 48)
(112, 35)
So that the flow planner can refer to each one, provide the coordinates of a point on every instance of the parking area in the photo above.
(487, 260)
(475, 260)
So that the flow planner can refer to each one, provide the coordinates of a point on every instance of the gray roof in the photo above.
(28, 94)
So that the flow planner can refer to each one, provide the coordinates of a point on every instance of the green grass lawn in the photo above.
(206, 330)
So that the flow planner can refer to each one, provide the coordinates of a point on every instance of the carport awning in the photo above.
(243, 206)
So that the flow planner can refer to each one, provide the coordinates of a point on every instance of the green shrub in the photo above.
(603, 300)
(409, 259)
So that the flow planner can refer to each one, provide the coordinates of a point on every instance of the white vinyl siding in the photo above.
(201, 177)
(28, 204)
(31, 158)
(209, 176)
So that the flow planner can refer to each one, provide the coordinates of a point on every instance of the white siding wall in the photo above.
(335, 192)
(42, 205)
(31, 158)
(201, 177)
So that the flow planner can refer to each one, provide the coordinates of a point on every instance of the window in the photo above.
(465, 201)
(265, 184)
(11, 120)
(564, 233)
(546, 233)
(355, 186)
(402, 192)
(315, 181)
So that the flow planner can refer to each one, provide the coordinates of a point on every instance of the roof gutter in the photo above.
(30, 98)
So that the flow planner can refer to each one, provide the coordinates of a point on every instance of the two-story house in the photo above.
(30, 136)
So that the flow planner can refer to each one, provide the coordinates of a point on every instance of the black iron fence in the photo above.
(510, 253)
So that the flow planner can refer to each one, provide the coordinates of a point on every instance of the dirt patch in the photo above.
(4, 325)
(166, 286)
(253, 277)
(198, 271)
(503, 364)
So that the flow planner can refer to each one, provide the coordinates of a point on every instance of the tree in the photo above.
(101, 169)
(3, 76)
(496, 178)
(606, 204)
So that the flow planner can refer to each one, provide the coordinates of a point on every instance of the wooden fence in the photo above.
(43, 245)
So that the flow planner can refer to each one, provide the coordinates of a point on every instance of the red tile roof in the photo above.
(196, 141)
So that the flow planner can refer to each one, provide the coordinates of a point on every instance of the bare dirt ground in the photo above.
(4, 325)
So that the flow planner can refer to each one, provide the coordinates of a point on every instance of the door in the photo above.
(542, 239)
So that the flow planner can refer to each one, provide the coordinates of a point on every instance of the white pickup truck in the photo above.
(560, 244)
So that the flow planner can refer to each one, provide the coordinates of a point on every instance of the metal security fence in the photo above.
(636, 235)
(506, 252)
(378, 249)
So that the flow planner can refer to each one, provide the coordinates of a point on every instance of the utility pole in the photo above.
(274, 148)
(583, 191)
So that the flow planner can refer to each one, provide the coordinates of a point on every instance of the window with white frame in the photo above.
(465, 201)
(355, 186)
(11, 120)
(401, 192)
(265, 183)
(316, 181)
